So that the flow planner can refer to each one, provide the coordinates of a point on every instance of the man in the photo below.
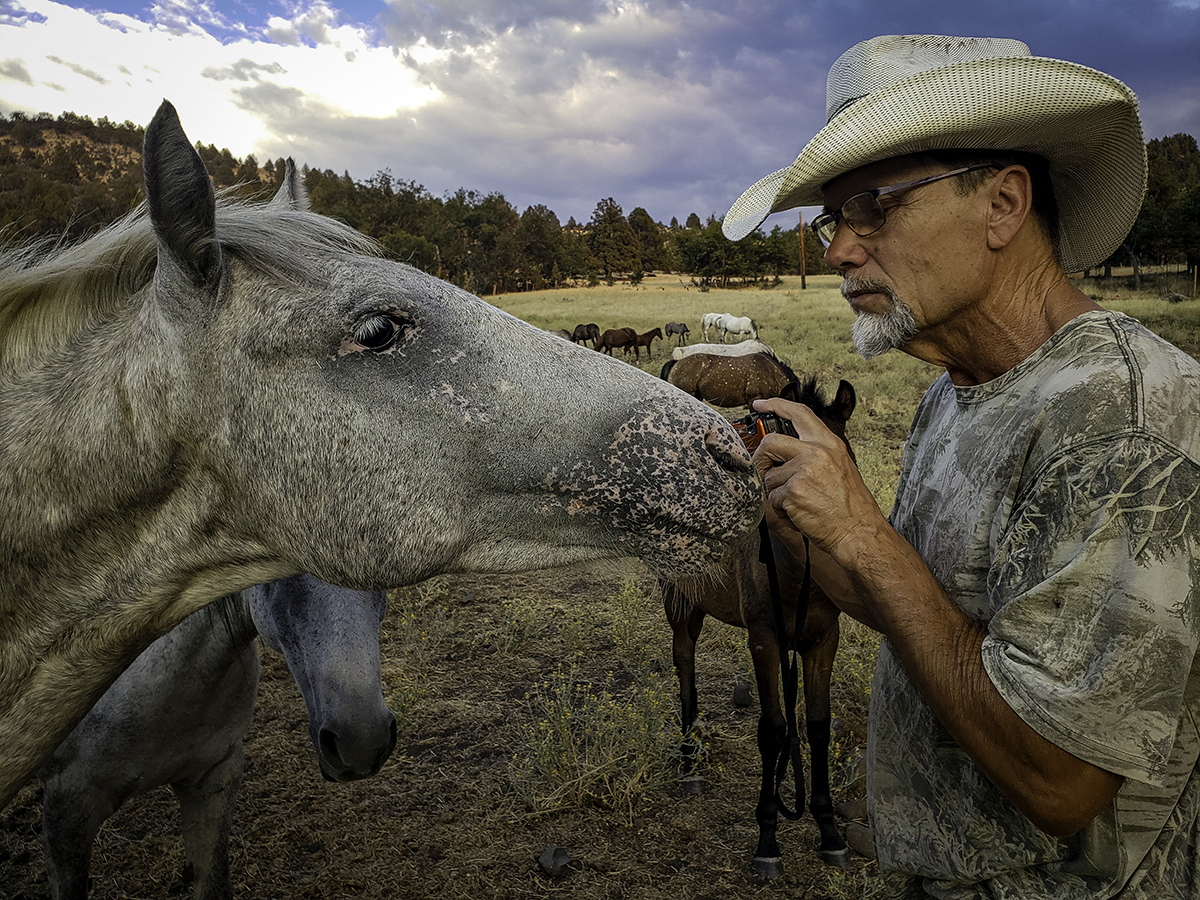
(1033, 725)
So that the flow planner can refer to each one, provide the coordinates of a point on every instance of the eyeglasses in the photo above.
(865, 215)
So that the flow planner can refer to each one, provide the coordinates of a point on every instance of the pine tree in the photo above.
(612, 241)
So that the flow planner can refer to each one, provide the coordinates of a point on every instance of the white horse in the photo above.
(739, 349)
(210, 395)
(738, 325)
(709, 320)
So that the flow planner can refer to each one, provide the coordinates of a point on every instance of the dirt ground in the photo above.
(445, 817)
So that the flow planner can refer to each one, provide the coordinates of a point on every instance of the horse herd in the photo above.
(626, 338)
(211, 397)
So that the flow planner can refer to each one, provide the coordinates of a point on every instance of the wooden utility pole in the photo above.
(803, 262)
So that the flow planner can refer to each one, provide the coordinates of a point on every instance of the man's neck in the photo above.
(1023, 309)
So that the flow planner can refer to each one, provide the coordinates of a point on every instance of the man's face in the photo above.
(918, 269)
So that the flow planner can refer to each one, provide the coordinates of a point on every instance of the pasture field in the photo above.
(540, 709)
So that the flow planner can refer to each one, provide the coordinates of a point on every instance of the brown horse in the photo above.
(730, 380)
(644, 340)
(617, 338)
(738, 593)
(584, 333)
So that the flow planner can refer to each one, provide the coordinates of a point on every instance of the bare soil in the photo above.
(444, 818)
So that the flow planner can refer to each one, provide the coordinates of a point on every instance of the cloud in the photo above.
(315, 25)
(181, 17)
(15, 70)
(243, 70)
(80, 70)
(670, 105)
(13, 15)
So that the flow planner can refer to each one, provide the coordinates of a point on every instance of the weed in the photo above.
(523, 621)
(596, 744)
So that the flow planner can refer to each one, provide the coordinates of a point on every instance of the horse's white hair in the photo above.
(49, 291)
(740, 349)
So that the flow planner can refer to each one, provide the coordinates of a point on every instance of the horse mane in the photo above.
(807, 392)
(50, 291)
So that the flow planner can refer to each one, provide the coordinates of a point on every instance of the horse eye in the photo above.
(377, 332)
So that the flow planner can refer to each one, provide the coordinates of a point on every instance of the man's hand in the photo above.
(812, 484)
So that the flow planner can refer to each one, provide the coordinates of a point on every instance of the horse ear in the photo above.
(182, 204)
(845, 400)
(791, 391)
(292, 194)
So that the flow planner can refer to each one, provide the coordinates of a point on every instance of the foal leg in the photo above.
(206, 810)
(772, 742)
(71, 819)
(818, 670)
(686, 620)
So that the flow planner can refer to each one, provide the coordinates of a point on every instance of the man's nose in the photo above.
(845, 251)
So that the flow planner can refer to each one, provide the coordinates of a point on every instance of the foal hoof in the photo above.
(838, 858)
(768, 866)
(692, 784)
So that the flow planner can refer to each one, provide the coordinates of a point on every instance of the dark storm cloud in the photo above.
(676, 105)
(673, 106)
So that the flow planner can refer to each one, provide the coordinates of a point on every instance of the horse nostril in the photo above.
(329, 746)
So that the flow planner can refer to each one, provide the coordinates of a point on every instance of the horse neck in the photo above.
(223, 628)
(96, 477)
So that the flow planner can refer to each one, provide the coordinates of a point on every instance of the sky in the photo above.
(675, 107)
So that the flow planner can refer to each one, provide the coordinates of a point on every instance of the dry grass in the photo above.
(461, 809)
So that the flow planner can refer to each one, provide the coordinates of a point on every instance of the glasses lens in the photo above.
(863, 214)
(825, 225)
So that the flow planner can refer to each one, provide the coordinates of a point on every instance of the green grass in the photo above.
(603, 744)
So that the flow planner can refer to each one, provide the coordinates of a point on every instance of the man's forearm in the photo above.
(940, 648)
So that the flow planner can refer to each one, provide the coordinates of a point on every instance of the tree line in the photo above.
(70, 176)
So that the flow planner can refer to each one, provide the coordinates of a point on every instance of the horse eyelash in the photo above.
(369, 329)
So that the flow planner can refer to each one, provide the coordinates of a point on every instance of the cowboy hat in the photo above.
(901, 94)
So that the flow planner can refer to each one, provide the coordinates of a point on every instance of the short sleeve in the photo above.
(1094, 592)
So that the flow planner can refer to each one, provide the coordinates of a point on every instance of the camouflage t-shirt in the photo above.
(1060, 506)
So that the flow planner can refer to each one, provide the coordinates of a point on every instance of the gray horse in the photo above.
(179, 716)
(210, 395)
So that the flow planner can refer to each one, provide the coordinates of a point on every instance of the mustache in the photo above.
(852, 285)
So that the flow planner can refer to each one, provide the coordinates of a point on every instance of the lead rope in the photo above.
(789, 669)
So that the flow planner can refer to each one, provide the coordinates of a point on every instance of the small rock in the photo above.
(741, 694)
(858, 839)
(852, 809)
(554, 861)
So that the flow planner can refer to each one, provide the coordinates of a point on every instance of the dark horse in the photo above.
(730, 380)
(584, 333)
(678, 330)
(617, 339)
(738, 593)
(646, 340)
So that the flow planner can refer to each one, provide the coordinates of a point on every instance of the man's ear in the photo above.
(1011, 205)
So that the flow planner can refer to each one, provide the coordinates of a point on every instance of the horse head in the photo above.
(330, 638)
(212, 394)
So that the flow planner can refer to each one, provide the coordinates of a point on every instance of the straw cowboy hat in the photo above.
(900, 94)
